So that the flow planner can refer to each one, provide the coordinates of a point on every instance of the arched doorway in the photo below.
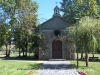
(57, 49)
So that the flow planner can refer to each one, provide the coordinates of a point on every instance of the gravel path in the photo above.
(57, 68)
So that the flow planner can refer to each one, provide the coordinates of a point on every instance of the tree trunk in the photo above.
(9, 51)
(19, 52)
(6, 51)
(23, 51)
(26, 52)
(87, 59)
(82, 55)
(19, 48)
(26, 48)
(82, 50)
(93, 54)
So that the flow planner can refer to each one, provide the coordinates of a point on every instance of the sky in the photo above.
(45, 10)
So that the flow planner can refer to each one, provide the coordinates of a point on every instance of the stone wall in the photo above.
(45, 49)
(47, 29)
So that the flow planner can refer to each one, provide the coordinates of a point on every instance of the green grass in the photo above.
(8, 67)
(93, 69)
(14, 54)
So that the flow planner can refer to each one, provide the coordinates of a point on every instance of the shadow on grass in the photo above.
(94, 60)
(91, 60)
(19, 58)
(36, 66)
(74, 65)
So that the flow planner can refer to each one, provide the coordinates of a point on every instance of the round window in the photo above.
(57, 32)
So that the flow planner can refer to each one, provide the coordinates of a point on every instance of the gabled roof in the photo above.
(56, 7)
(55, 22)
(55, 17)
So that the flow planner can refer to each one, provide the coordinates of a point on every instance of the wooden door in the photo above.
(57, 49)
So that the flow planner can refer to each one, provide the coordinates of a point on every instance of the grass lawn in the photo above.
(93, 69)
(8, 67)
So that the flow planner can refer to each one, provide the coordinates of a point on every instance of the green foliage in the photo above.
(68, 9)
(88, 33)
(4, 34)
(79, 8)
(3, 48)
(23, 21)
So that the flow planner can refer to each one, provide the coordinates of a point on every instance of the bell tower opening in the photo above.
(56, 11)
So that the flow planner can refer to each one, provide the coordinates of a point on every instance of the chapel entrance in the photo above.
(57, 49)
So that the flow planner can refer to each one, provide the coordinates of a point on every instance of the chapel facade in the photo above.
(56, 45)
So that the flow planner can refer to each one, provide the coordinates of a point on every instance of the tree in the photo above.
(79, 8)
(4, 29)
(68, 9)
(23, 18)
(27, 18)
(8, 6)
(3, 34)
(88, 34)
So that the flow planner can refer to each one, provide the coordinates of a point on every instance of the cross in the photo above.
(56, 3)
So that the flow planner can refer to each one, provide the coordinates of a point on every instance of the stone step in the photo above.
(57, 59)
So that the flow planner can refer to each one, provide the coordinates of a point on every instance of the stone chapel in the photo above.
(52, 47)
